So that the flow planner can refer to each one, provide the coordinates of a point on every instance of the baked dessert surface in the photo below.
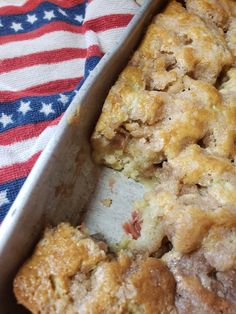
(217, 11)
(43, 282)
(72, 273)
(200, 288)
(170, 118)
(167, 97)
(197, 194)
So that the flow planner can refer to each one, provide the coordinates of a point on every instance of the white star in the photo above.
(16, 26)
(76, 92)
(5, 119)
(1, 25)
(48, 15)
(79, 18)
(63, 99)
(46, 109)
(32, 18)
(24, 107)
(3, 198)
(62, 12)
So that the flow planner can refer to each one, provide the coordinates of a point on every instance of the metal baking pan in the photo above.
(65, 184)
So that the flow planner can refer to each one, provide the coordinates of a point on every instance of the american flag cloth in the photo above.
(47, 49)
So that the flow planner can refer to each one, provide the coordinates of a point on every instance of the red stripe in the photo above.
(58, 86)
(47, 57)
(18, 170)
(99, 24)
(25, 132)
(108, 22)
(32, 4)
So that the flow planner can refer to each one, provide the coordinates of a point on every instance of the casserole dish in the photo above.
(65, 185)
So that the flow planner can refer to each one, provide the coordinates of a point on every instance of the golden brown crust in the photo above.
(195, 166)
(155, 287)
(44, 279)
(177, 43)
(70, 273)
(216, 11)
(164, 99)
(134, 120)
(127, 286)
(119, 285)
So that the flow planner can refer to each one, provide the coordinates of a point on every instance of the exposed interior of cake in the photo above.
(195, 193)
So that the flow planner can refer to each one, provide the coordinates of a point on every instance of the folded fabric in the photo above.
(47, 50)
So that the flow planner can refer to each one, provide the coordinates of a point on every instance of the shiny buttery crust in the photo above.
(72, 273)
(167, 96)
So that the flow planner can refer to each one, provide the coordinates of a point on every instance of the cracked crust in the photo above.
(196, 193)
(71, 273)
(180, 43)
(42, 283)
(134, 120)
(216, 11)
(165, 100)
(200, 287)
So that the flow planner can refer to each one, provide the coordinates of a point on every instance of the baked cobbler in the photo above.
(70, 272)
(169, 120)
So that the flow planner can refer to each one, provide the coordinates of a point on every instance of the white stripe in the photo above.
(97, 9)
(22, 151)
(108, 38)
(17, 3)
(40, 74)
(46, 42)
